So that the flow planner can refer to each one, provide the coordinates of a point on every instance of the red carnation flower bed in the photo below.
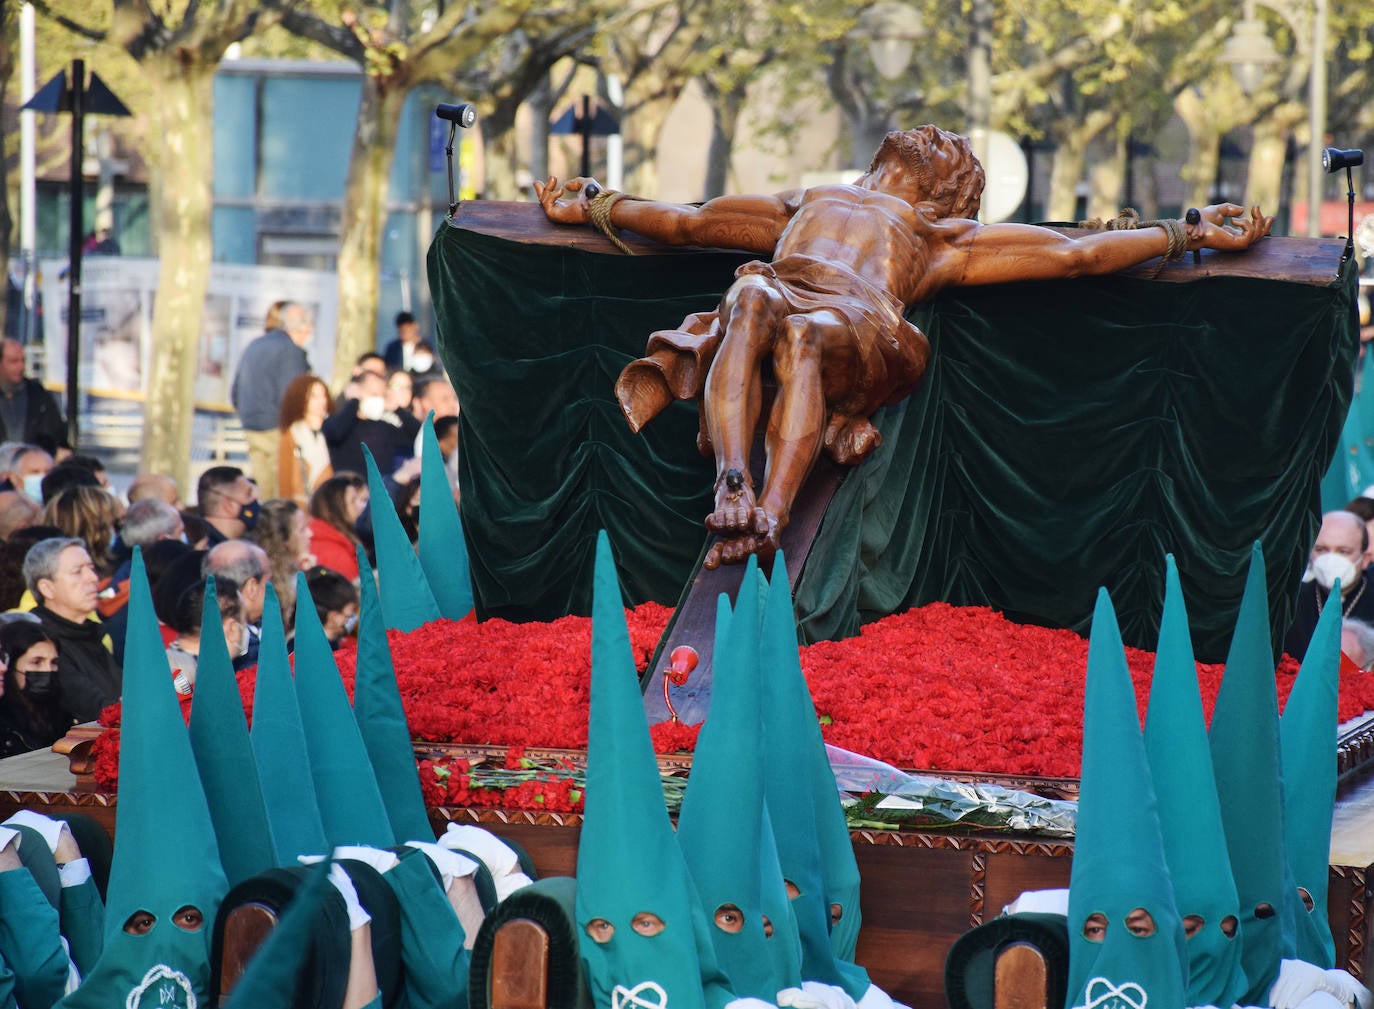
(940, 687)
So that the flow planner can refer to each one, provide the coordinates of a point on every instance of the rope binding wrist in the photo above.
(1129, 220)
(599, 210)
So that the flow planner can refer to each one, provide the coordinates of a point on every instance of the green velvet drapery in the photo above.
(1067, 435)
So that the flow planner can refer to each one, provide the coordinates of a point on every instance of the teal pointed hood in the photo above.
(1308, 738)
(278, 741)
(803, 802)
(443, 551)
(1126, 944)
(641, 930)
(166, 862)
(224, 755)
(721, 825)
(407, 601)
(351, 805)
(1189, 813)
(1244, 740)
(381, 719)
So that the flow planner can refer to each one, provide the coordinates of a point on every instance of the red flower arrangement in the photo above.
(941, 687)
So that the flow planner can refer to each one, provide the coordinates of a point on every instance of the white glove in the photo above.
(378, 858)
(1299, 979)
(450, 864)
(876, 998)
(75, 872)
(1347, 989)
(814, 995)
(749, 1003)
(50, 829)
(357, 917)
(509, 883)
(7, 835)
(499, 858)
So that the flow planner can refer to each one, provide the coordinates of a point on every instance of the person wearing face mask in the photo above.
(400, 352)
(31, 715)
(1340, 553)
(228, 501)
(364, 419)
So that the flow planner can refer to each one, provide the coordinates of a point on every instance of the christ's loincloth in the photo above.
(889, 353)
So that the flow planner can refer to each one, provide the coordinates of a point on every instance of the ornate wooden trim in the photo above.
(977, 887)
(1357, 927)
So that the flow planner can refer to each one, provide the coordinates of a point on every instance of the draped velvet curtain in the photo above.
(1067, 436)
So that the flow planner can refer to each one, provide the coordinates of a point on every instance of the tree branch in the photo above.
(85, 31)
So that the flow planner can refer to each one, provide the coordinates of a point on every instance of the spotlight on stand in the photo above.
(463, 115)
(1333, 160)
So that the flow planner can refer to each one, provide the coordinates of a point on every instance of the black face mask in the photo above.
(248, 514)
(40, 685)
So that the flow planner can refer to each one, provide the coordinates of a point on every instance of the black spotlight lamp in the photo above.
(463, 115)
(1333, 160)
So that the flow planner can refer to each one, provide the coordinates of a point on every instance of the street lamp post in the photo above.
(1249, 50)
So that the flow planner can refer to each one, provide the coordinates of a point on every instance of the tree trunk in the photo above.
(540, 104)
(501, 158)
(1061, 204)
(1106, 182)
(1268, 151)
(641, 131)
(725, 110)
(1204, 145)
(183, 109)
(364, 216)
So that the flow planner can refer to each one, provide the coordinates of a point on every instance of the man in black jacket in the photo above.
(62, 578)
(28, 412)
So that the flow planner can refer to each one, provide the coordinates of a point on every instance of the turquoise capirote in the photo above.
(1189, 813)
(407, 601)
(642, 933)
(166, 881)
(1244, 740)
(1309, 777)
(721, 825)
(1126, 944)
(381, 719)
(801, 808)
(351, 806)
(224, 755)
(442, 549)
(288, 787)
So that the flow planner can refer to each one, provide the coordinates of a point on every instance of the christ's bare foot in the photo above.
(738, 548)
(850, 440)
(736, 512)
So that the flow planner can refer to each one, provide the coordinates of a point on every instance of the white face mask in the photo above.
(1328, 567)
(371, 407)
(33, 486)
(421, 362)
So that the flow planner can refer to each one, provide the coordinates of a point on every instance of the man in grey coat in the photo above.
(266, 368)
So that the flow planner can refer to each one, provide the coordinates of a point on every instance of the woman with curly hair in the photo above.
(336, 507)
(90, 514)
(283, 530)
(303, 463)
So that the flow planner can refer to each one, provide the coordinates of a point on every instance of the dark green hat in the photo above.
(1244, 740)
(803, 801)
(971, 964)
(1135, 953)
(642, 931)
(165, 856)
(407, 601)
(382, 722)
(1309, 776)
(288, 787)
(224, 755)
(721, 825)
(443, 552)
(1189, 813)
(351, 805)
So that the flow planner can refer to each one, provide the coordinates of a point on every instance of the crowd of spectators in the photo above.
(67, 537)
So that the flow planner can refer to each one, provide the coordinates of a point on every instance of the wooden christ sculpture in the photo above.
(825, 312)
